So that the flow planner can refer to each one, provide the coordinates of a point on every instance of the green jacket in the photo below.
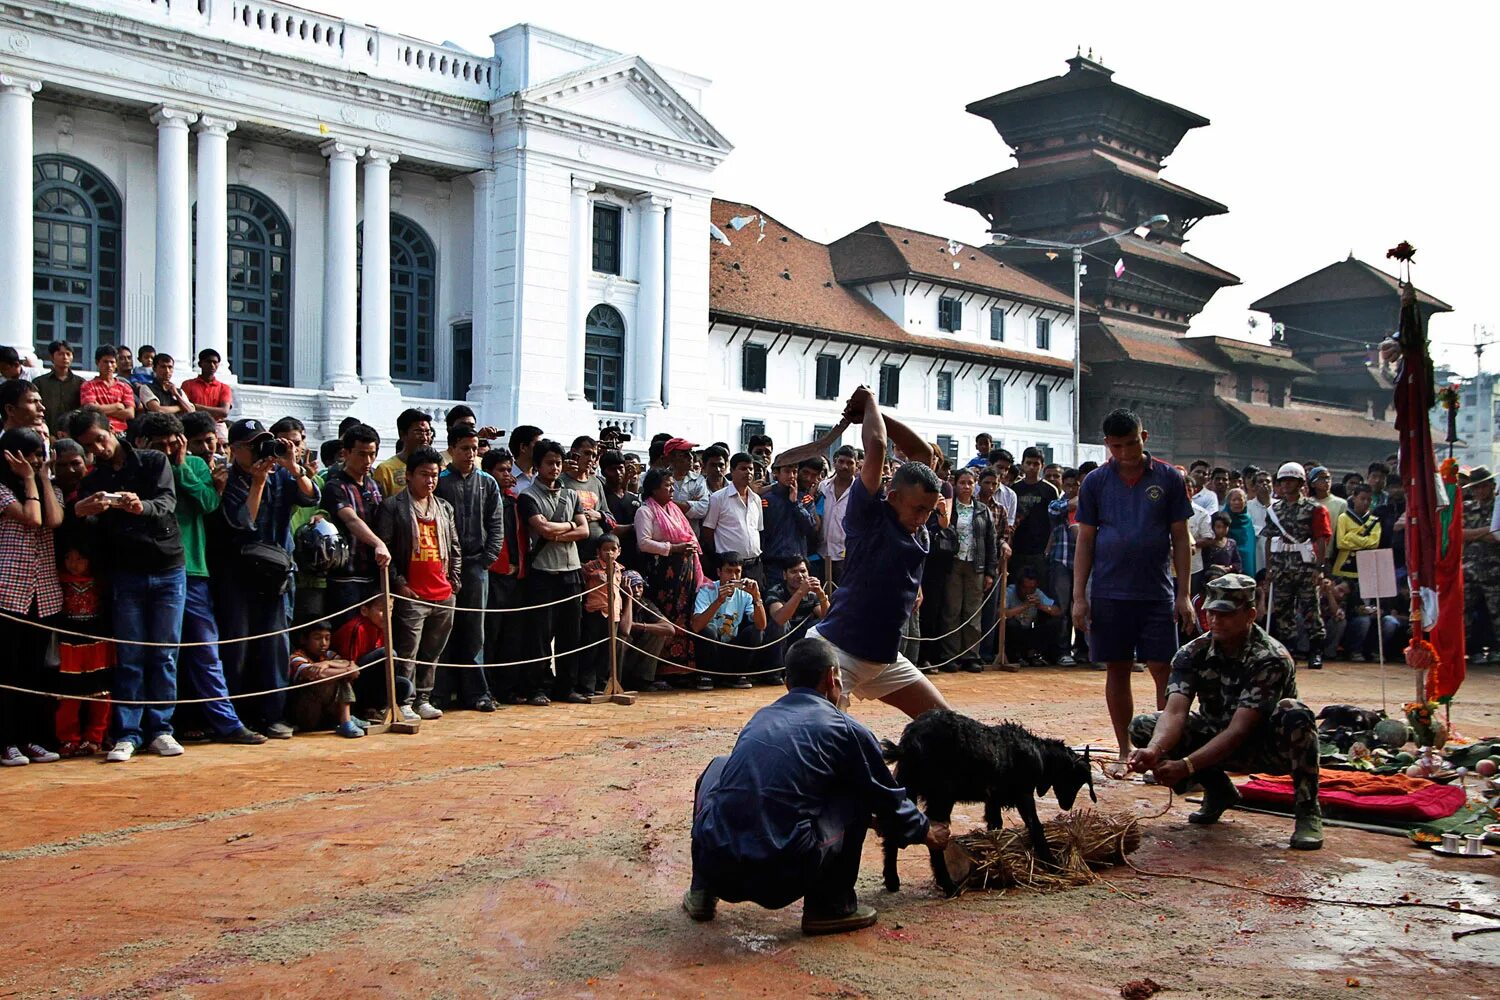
(196, 497)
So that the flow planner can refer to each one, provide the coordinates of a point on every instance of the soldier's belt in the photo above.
(1305, 549)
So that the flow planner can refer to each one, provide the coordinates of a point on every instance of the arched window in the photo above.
(413, 300)
(260, 289)
(76, 217)
(604, 358)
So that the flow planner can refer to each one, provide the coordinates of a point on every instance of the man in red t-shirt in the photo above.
(113, 397)
(1299, 531)
(417, 526)
(207, 393)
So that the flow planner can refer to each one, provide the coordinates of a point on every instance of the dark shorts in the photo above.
(1132, 630)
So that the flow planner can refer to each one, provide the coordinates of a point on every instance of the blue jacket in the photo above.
(793, 757)
(789, 526)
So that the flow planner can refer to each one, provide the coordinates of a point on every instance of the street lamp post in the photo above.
(1154, 224)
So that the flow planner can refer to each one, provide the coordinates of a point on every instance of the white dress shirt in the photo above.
(834, 507)
(736, 521)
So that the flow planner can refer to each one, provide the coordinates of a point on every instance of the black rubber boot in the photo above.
(1219, 794)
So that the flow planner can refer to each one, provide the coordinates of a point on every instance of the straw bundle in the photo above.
(1080, 841)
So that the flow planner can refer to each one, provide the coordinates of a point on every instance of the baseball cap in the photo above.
(242, 431)
(677, 444)
(1291, 470)
(1316, 471)
(1230, 592)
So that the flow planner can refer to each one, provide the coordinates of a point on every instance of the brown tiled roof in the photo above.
(1131, 245)
(1072, 168)
(786, 282)
(1243, 352)
(1148, 345)
(880, 251)
(1308, 420)
(1346, 280)
(1074, 82)
(1365, 378)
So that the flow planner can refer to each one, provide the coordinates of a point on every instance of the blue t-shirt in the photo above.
(1133, 543)
(882, 571)
(726, 622)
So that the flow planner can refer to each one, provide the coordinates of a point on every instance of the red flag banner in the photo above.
(1448, 636)
(1414, 398)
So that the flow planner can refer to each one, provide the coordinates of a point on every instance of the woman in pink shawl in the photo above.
(664, 535)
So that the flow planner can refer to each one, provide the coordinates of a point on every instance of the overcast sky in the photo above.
(1335, 127)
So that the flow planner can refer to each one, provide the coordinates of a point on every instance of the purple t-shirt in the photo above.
(1133, 540)
(882, 571)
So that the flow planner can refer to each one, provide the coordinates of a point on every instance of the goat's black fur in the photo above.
(945, 758)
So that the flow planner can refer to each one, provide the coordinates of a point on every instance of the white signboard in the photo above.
(1377, 573)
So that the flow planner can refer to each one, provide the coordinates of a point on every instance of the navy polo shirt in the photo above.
(1133, 540)
(882, 571)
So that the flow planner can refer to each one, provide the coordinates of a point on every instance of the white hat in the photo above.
(1291, 470)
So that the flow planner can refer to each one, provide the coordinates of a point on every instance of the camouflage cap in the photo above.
(1230, 592)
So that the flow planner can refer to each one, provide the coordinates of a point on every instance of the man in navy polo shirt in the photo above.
(885, 546)
(1132, 517)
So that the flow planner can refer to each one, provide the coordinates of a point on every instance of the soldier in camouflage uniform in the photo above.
(1248, 718)
(1299, 531)
(1481, 566)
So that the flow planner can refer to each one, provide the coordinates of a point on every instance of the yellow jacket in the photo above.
(1351, 537)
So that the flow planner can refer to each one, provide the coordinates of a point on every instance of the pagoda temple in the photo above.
(1089, 155)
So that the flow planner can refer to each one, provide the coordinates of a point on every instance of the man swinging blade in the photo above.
(886, 544)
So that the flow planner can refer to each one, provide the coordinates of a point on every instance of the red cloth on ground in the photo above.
(1433, 801)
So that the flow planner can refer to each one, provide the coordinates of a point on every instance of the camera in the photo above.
(273, 447)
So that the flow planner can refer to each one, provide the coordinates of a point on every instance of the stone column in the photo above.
(580, 266)
(650, 306)
(211, 303)
(484, 184)
(15, 210)
(174, 233)
(339, 269)
(375, 271)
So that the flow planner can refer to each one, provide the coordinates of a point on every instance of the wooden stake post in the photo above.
(614, 692)
(394, 722)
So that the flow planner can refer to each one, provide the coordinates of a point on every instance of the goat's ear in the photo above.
(890, 751)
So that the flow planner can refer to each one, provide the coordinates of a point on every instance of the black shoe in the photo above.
(1219, 794)
(576, 698)
(741, 684)
(705, 683)
(699, 904)
(539, 700)
(195, 736)
(242, 736)
(484, 705)
(1314, 661)
(859, 918)
(949, 668)
(973, 667)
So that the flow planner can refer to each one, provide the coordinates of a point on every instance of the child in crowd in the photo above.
(325, 704)
(361, 640)
(84, 665)
(605, 570)
(649, 633)
(1222, 551)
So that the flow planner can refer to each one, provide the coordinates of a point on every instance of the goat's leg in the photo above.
(1039, 846)
(941, 812)
(994, 814)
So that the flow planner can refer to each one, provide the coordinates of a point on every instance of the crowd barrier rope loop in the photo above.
(501, 611)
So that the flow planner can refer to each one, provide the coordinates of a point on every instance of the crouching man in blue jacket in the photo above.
(783, 817)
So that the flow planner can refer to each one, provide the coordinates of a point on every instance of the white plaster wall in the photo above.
(791, 412)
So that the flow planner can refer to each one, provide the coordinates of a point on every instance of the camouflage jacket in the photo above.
(1260, 676)
(1477, 514)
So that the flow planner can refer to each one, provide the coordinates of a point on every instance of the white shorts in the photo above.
(869, 680)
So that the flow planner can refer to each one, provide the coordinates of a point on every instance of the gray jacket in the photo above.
(985, 552)
(395, 523)
(477, 514)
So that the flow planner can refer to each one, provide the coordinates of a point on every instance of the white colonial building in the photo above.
(954, 341)
(397, 222)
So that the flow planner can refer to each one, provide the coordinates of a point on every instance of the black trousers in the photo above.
(502, 637)
(25, 718)
(824, 872)
(729, 661)
(466, 641)
(258, 665)
(370, 686)
(1022, 641)
(593, 664)
(553, 629)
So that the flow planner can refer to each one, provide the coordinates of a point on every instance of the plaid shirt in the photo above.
(28, 565)
(1060, 547)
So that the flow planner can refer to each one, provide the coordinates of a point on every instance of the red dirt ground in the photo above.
(542, 853)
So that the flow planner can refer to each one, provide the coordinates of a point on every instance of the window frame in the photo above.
(595, 359)
(828, 369)
(763, 354)
(1044, 333)
(889, 387)
(748, 430)
(1042, 406)
(950, 314)
(246, 204)
(615, 240)
(996, 402)
(88, 298)
(997, 325)
(945, 391)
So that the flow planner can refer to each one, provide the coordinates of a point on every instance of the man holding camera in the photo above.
(265, 484)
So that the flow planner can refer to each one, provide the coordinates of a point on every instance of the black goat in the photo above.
(945, 758)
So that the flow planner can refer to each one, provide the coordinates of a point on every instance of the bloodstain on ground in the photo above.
(543, 852)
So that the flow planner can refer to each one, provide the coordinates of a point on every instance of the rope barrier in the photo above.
(174, 645)
(514, 663)
(500, 611)
(358, 668)
(959, 628)
(699, 670)
(790, 627)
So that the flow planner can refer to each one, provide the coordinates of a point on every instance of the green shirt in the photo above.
(196, 497)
